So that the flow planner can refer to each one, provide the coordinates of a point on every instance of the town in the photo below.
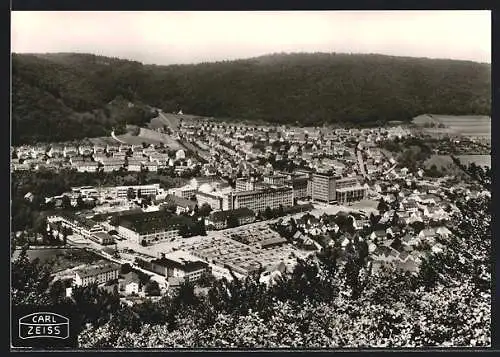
(255, 198)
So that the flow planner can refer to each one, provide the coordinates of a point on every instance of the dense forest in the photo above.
(66, 96)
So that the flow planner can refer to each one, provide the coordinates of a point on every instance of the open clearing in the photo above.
(481, 160)
(467, 125)
(145, 136)
(62, 258)
(170, 120)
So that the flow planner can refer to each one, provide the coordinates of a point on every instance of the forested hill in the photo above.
(69, 93)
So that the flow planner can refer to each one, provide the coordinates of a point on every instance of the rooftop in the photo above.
(186, 265)
(238, 213)
(97, 269)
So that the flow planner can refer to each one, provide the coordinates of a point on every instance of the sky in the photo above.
(193, 37)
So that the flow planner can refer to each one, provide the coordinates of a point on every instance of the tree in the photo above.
(131, 193)
(417, 225)
(152, 288)
(232, 221)
(185, 231)
(66, 202)
(79, 202)
(125, 268)
(205, 210)
(374, 219)
(57, 291)
(268, 213)
(30, 281)
(280, 211)
(382, 206)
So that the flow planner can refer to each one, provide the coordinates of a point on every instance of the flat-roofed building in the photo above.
(142, 190)
(300, 187)
(79, 225)
(277, 179)
(349, 189)
(186, 191)
(99, 274)
(214, 200)
(259, 200)
(102, 238)
(350, 194)
(245, 184)
(180, 265)
(323, 187)
(219, 219)
(151, 227)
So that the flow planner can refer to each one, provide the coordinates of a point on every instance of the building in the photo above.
(150, 166)
(259, 200)
(245, 184)
(323, 187)
(276, 180)
(134, 165)
(102, 238)
(99, 274)
(151, 227)
(180, 154)
(79, 225)
(300, 187)
(186, 191)
(182, 205)
(350, 194)
(180, 265)
(215, 201)
(219, 219)
(84, 165)
(349, 189)
(141, 190)
(130, 283)
(111, 165)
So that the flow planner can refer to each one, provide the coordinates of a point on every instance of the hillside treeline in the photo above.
(70, 92)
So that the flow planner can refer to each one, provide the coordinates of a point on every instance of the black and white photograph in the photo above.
(250, 180)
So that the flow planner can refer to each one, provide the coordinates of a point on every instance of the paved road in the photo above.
(114, 137)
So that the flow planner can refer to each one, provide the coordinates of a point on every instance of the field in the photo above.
(170, 120)
(481, 160)
(103, 140)
(145, 136)
(444, 164)
(62, 258)
(467, 125)
(441, 161)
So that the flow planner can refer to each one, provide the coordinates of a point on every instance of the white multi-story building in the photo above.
(217, 201)
(258, 200)
(79, 225)
(99, 274)
(323, 187)
(150, 228)
(180, 265)
(143, 190)
(150, 236)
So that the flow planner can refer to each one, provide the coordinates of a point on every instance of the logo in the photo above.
(43, 325)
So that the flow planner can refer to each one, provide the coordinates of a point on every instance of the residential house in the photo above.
(130, 283)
